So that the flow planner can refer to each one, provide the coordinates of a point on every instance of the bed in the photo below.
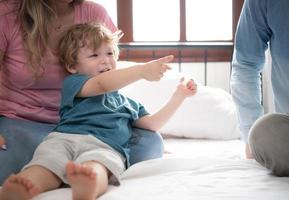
(195, 169)
(204, 154)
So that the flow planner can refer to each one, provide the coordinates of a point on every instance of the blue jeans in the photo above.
(22, 138)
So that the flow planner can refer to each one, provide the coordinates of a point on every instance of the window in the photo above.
(208, 20)
(176, 21)
(154, 23)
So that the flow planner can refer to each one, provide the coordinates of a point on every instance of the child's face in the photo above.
(92, 63)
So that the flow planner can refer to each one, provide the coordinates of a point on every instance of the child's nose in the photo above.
(105, 58)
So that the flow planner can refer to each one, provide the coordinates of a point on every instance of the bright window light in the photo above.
(156, 20)
(209, 20)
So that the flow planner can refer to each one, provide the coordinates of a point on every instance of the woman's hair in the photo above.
(90, 35)
(33, 17)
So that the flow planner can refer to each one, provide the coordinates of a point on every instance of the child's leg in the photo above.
(88, 180)
(29, 183)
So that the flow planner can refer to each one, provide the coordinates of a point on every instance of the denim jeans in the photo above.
(22, 138)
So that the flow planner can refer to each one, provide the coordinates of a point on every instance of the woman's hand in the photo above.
(154, 70)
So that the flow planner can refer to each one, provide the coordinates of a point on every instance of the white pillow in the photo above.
(209, 114)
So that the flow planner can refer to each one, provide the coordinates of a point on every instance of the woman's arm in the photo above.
(116, 79)
(158, 120)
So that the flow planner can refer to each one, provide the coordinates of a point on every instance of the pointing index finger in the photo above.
(166, 59)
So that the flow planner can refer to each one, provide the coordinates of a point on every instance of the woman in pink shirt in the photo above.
(31, 77)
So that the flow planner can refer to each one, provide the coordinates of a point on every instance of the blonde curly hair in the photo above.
(90, 35)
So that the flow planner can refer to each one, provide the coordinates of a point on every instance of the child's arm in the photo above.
(157, 121)
(117, 79)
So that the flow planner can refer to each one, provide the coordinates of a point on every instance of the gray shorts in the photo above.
(59, 148)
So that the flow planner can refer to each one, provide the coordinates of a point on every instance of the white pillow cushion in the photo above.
(210, 114)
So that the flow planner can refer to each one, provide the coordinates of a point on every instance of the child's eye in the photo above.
(110, 53)
(94, 55)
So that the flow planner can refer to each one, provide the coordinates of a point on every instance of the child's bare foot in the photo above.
(82, 180)
(18, 188)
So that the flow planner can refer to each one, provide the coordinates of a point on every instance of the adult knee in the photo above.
(157, 146)
(145, 145)
(269, 140)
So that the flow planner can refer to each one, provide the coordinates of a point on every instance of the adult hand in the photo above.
(154, 70)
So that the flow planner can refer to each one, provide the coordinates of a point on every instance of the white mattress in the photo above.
(197, 170)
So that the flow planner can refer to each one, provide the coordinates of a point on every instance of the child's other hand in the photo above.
(154, 70)
(186, 88)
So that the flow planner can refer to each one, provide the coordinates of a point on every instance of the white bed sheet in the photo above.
(197, 170)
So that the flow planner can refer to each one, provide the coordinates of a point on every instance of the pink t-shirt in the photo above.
(20, 96)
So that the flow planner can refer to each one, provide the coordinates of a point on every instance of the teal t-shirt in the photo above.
(108, 117)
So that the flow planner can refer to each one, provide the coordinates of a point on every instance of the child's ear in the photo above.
(71, 69)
